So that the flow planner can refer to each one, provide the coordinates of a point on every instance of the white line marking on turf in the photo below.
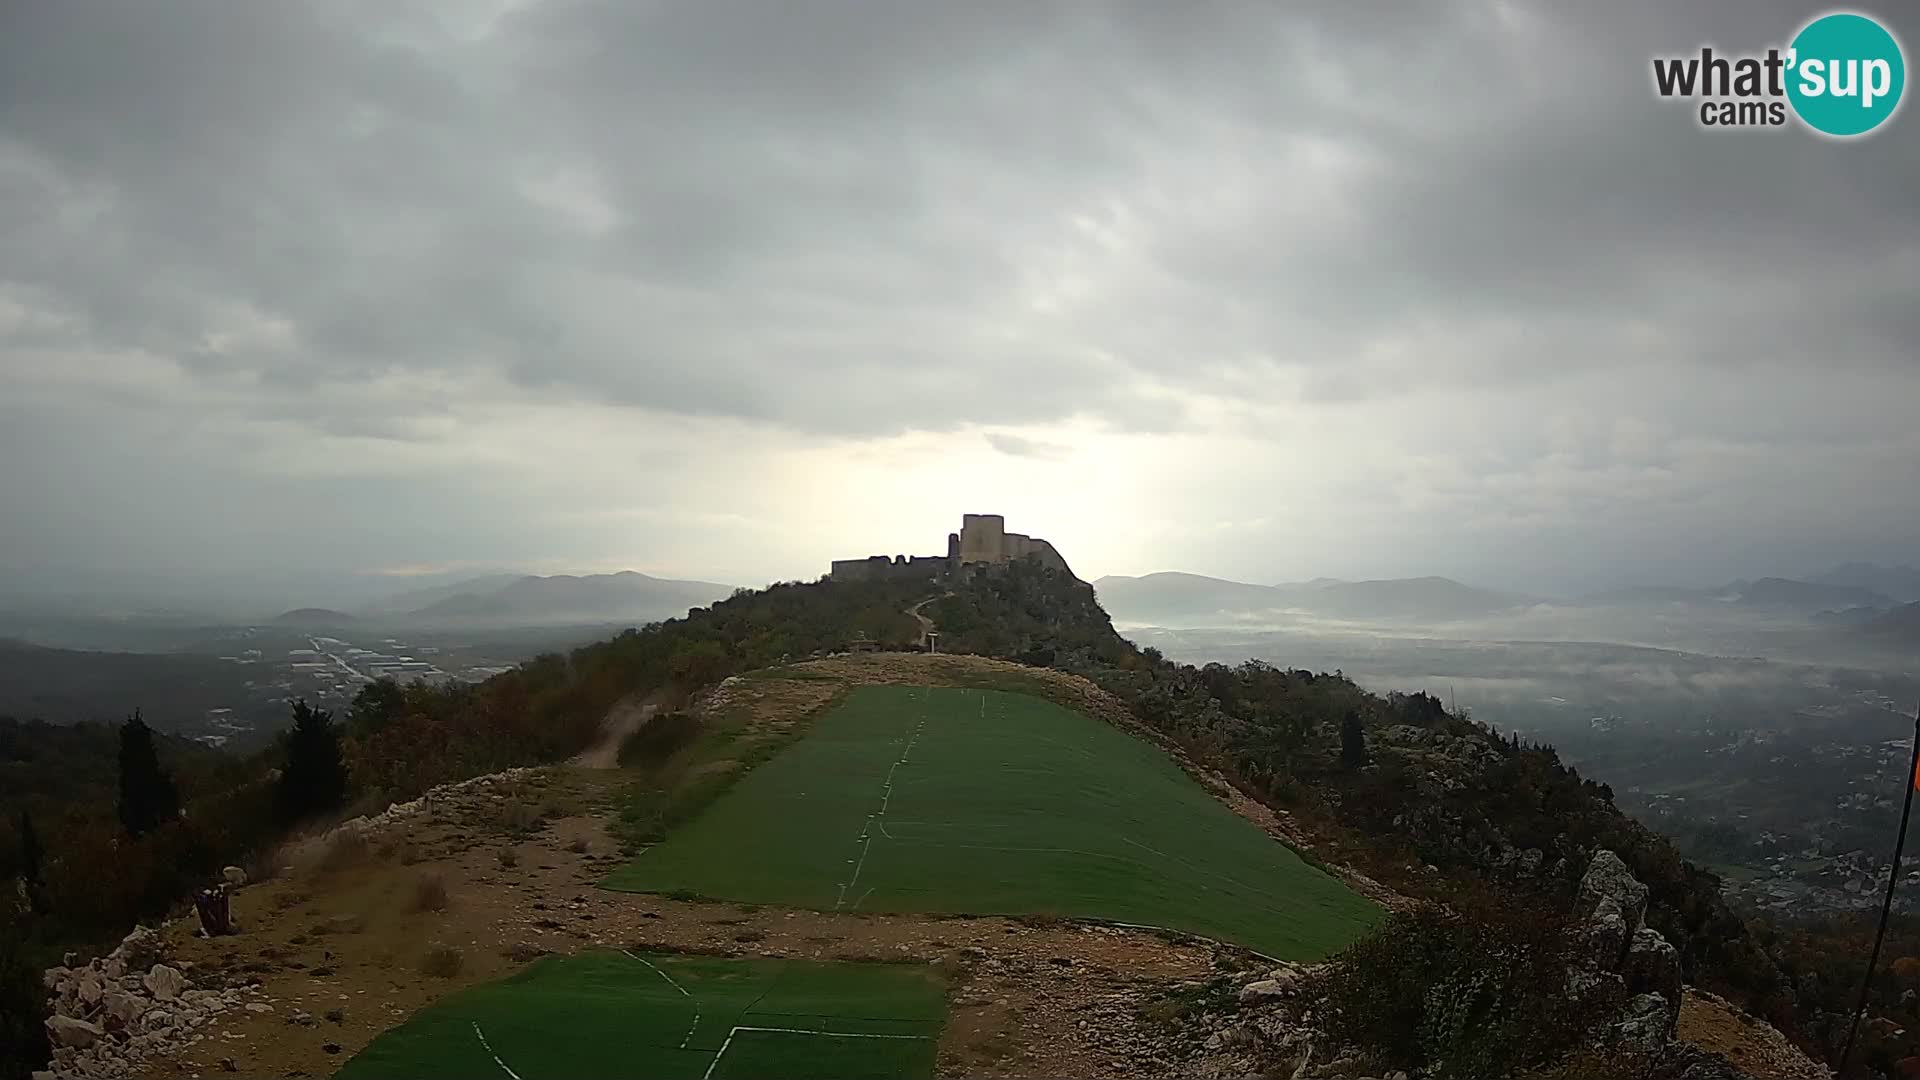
(715, 1063)
(864, 848)
(676, 986)
(831, 1034)
(866, 830)
(496, 1057)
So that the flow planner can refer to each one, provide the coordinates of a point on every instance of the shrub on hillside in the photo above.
(1464, 995)
(443, 961)
(430, 893)
(342, 849)
(517, 819)
(658, 739)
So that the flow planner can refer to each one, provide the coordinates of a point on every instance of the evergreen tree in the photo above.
(23, 1002)
(314, 778)
(31, 854)
(1353, 741)
(378, 704)
(147, 795)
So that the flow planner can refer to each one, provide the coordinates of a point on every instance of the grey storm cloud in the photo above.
(857, 221)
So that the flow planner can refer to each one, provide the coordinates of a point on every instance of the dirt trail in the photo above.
(926, 623)
(1714, 1024)
(627, 716)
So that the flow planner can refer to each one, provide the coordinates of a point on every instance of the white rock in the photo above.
(164, 982)
(67, 1031)
(234, 876)
(1267, 989)
(126, 1007)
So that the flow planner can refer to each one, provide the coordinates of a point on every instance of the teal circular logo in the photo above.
(1845, 74)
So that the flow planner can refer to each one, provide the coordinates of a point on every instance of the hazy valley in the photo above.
(1764, 732)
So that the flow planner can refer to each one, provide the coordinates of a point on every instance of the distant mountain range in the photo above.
(1177, 597)
(1775, 593)
(1850, 595)
(1902, 624)
(561, 598)
(1190, 599)
(1900, 583)
(415, 599)
(1808, 595)
(314, 617)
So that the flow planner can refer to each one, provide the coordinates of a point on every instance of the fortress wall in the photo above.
(885, 568)
(860, 569)
(983, 538)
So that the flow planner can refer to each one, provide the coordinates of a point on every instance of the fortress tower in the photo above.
(983, 539)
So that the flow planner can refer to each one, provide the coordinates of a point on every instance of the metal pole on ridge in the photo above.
(1886, 908)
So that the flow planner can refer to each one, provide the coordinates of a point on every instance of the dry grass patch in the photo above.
(343, 849)
(430, 893)
(442, 962)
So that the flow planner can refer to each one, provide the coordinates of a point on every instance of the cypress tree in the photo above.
(147, 795)
(314, 778)
(1353, 741)
(31, 854)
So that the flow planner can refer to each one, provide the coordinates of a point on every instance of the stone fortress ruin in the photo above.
(983, 540)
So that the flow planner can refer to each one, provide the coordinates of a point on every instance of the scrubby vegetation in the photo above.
(443, 962)
(1464, 993)
(1822, 959)
(658, 739)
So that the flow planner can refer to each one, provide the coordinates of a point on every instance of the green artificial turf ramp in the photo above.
(983, 802)
(608, 1014)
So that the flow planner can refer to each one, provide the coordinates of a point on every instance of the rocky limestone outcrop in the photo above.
(1264, 1026)
(120, 1011)
(1610, 887)
(399, 813)
(1625, 953)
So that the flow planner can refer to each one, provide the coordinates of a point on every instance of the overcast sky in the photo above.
(341, 293)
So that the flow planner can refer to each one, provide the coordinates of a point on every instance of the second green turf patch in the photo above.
(983, 802)
(673, 1017)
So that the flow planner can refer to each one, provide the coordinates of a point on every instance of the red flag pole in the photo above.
(1886, 908)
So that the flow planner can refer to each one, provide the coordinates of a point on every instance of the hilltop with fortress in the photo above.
(983, 540)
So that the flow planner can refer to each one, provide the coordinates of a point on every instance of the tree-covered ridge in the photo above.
(54, 768)
(402, 741)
